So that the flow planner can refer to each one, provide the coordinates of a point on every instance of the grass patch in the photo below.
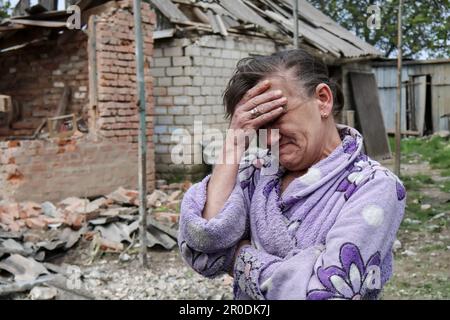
(435, 150)
(445, 187)
(445, 173)
(161, 209)
(416, 181)
(433, 247)
(415, 212)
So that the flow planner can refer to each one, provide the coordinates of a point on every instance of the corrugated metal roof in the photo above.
(275, 18)
(269, 17)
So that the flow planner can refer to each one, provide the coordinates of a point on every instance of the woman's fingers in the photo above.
(255, 91)
(268, 117)
(269, 106)
(262, 99)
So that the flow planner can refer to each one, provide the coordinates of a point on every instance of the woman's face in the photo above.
(302, 129)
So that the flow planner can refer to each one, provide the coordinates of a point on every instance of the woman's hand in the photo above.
(266, 106)
(236, 253)
(257, 108)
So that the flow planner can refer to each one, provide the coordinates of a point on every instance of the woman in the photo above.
(321, 226)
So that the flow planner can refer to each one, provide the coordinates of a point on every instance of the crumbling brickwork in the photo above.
(117, 116)
(40, 170)
(90, 164)
(35, 76)
(190, 77)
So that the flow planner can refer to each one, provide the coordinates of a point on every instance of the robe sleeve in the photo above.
(209, 246)
(354, 262)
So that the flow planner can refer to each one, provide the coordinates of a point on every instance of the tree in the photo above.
(5, 5)
(426, 24)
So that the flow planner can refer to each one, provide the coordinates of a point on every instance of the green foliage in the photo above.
(426, 24)
(5, 5)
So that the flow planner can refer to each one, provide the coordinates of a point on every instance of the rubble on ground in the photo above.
(33, 234)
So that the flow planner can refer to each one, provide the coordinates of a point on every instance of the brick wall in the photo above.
(36, 75)
(117, 115)
(190, 77)
(106, 158)
(39, 170)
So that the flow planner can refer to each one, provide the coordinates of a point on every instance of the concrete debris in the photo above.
(444, 134)
(43, 293)
(31, 234)
(49, 209)
(124, 197)
(397, 245)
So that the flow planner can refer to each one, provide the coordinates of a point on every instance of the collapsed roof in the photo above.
(270, 18)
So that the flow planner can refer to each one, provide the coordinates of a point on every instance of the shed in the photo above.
(425, 94)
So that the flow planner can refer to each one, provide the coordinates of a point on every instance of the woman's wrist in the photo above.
(241, 245)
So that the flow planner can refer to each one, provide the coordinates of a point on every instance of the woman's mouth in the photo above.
(284, 145)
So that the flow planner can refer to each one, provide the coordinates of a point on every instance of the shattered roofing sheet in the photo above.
(273, 17)
(270, 17)
(36, 23)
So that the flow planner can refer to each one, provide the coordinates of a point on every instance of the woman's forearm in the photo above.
(223, 178)
(244, 124)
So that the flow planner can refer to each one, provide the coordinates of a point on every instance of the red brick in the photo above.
(168, 217)
(35, 223)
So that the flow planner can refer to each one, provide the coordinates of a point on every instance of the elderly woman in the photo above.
(322, 226)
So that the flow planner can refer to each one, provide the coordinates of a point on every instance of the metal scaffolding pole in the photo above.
(142, 140)
(398, 112)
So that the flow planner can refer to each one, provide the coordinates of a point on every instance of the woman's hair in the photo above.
(307, 69)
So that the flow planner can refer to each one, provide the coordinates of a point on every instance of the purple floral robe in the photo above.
(329, 235)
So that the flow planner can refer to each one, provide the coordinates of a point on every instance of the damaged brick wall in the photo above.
(39, 170)
(35, 77)
(190, 77)
(117, 116)
(97, 163)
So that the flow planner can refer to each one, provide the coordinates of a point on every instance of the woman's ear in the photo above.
(324, 97)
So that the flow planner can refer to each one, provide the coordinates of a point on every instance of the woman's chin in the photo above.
(290, 161)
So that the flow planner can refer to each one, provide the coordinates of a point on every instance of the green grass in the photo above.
(416, 181)
(433, 247)
(435, 150)
(445, 187)
(161, 209)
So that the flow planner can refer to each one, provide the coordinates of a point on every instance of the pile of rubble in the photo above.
(33, 234)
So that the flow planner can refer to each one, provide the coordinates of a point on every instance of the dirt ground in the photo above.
(422, 263)
(421, 269)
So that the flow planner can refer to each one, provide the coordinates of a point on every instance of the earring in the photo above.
(324, 115)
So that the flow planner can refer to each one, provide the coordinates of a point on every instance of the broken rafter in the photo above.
(39, 23)
(200, 15)
(11, 27)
